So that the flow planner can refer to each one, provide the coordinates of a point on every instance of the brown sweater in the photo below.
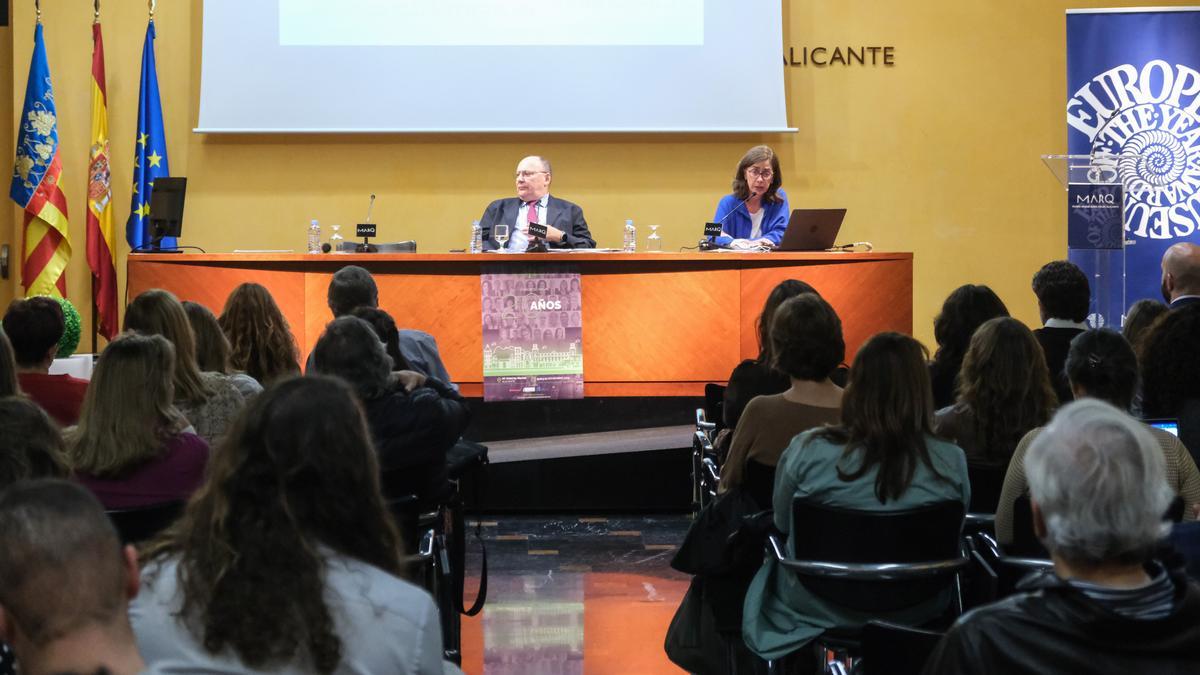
(1182, 476)
(764, 431)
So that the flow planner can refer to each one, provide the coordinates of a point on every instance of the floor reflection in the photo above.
(571, 596)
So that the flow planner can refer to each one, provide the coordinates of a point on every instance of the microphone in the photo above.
(371, 205)
(708, 242)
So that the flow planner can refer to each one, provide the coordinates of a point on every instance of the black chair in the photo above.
(139, 524)
(1025, 543)
(760, 483)
(705, 471)
(986, 481)
(893, 649)
(714, 405)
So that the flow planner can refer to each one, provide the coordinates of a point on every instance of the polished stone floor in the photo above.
(575, 595)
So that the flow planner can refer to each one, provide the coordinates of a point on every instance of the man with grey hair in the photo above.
(565, 225)
(65, 582)
(1096, 480)
(1181, 275)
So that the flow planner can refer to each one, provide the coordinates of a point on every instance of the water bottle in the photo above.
(630, 237)
(476, 237)
(314, 237)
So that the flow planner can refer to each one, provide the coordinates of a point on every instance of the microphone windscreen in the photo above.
(326, 248)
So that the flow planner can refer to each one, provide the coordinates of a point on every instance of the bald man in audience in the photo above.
(565, 225)
(65, 582)
(1181, 275)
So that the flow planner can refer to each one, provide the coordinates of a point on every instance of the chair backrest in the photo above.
(1025, 543)
(986, 482)
(714, 404)
(832, 534)
(141, 523)
(760, 483)
(895, 649)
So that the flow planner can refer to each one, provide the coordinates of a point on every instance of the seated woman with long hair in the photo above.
(806, 340)
(286, 560)
(965, 310)
(132, 447)
(212, 349)
(208, 400)
(1101, 364)
(31, 444)
(262, 342)
(883, 456)
(1004, 390)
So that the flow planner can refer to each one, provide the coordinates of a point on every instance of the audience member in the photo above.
(883, 456)
(262, 342)
(385, 328)
(353, 287)
(1181, 275)
(67, 583)
(413, 419)
(1170, 359)
(212, 349)
(965, 309)
(208, 400)
(31, 446)
(1099, 494)
(1063, 296)
(132, 448)
(1101, 365)
(1003, 392)
(34, 326)
(287, 559)
(1141, 315)
(8, 368)
(758, 377)
(807, 345)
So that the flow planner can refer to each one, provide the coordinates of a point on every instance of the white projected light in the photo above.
(491, 65)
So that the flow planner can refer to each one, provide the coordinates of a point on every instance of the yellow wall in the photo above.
(937, 155)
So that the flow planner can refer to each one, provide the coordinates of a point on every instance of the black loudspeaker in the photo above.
(166, 208)
(3, 12)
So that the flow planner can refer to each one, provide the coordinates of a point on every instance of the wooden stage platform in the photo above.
(654, 324)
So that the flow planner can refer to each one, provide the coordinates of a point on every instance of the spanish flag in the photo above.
(99, 195)
(35, 183)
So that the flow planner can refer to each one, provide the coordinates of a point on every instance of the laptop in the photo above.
(812, 229)
(1169, 425)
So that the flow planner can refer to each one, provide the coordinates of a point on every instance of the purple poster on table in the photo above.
(532, 334)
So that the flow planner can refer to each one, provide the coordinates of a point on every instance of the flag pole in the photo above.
(92, 273)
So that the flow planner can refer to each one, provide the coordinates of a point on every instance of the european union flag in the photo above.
(149, 152)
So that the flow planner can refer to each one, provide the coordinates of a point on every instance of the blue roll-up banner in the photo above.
(1133, 88)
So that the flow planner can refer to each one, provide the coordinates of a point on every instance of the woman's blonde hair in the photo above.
(158, 312)
(128, 410)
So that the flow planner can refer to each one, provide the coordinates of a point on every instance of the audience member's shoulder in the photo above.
(359, 584)
(222, 385)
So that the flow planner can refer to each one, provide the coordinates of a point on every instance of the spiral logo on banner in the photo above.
(1147, 117)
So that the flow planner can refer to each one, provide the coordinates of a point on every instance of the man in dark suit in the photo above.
(1181, 275)
(565, 226)
(1063, 298)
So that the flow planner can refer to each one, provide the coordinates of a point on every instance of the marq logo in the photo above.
(1096, 198)
(1148, 120)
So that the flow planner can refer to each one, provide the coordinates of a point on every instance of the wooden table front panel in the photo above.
(654, 324)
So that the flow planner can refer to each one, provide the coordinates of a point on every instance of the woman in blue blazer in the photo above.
(757, 211)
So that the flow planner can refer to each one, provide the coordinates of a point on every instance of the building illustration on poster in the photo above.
(532, 334)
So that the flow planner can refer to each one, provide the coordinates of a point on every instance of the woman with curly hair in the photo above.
(212, 349)
(1170, 360)
(965, 309)
(208, 400)
(132, 448)
(262, 343)
(1004, 390)
(287, 560)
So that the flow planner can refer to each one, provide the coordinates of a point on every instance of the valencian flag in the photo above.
(100, 235)
(149, 152)
(35, 183)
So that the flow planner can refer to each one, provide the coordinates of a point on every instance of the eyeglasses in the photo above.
(761, 173)
(529, 174)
